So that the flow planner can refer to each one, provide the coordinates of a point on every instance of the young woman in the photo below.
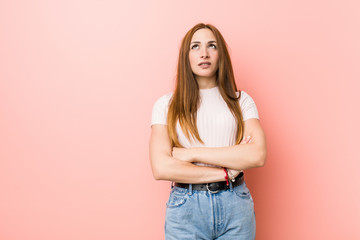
(203, 136)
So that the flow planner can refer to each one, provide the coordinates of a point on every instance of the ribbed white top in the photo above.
(215, 122)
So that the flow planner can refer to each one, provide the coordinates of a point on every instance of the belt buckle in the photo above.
(213, 192)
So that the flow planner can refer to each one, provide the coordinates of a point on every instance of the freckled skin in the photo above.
(203, 48)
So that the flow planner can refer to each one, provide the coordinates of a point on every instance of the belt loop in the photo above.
(231, 186)
(190, 189)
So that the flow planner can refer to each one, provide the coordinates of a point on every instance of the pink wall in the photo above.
(77, 83)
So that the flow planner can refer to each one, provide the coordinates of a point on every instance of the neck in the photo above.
(206, 82)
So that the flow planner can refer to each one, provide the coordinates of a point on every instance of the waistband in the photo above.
(213, 187)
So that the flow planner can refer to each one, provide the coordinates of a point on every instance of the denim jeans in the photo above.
(225, 215)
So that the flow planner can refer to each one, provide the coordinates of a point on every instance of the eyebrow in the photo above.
(200, 42)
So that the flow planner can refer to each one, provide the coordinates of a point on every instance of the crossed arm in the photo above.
(176, 164)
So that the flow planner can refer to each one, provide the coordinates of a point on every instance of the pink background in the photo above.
(78, 80)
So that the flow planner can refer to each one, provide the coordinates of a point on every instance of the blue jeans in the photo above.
(228, 214)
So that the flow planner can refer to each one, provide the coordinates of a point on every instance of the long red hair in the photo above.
(186, 97)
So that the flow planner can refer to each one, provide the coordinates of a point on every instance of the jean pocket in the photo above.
(242, 192)
(177, 197)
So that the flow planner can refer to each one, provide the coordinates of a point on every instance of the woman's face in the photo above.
(203, 55)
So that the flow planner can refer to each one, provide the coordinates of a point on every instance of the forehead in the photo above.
(203, 34)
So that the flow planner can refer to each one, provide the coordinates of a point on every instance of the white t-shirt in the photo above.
(215, 122)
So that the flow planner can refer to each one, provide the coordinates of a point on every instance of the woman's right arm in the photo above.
(165, 167)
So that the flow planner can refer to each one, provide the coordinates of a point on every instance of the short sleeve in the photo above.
(160, 109)
(248, 107)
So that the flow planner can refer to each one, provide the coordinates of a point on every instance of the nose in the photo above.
(204, 53)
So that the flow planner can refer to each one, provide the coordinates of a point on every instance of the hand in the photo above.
(183, 154)
(245, 140)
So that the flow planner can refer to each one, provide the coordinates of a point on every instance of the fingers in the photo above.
(233, 172)
(246, 140)
(173, 152)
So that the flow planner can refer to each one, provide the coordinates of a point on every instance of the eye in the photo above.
(212, 46)
(195, 46)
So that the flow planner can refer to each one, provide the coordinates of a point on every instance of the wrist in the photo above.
(226, 176)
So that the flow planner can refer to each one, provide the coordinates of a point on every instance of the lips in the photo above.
(204, 65)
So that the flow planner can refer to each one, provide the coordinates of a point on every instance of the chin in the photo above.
(202, 74)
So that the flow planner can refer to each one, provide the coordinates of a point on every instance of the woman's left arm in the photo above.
(237, 157)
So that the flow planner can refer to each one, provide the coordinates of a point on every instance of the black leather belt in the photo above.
(213, 187)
